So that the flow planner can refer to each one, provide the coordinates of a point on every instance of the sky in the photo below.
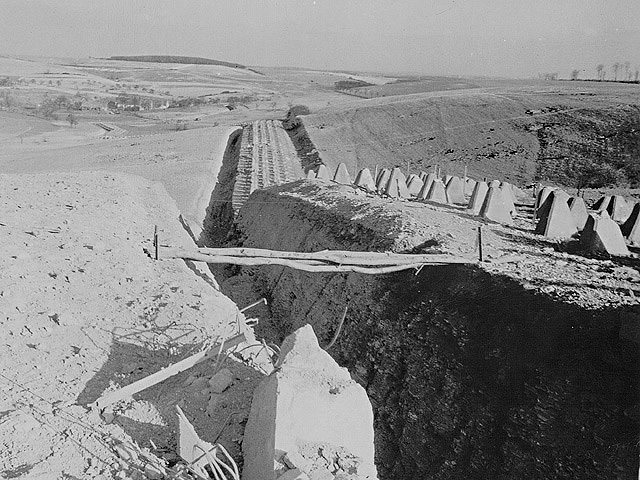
(499, 38)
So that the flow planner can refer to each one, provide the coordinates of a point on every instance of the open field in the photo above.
(496, 130)
(452, 358)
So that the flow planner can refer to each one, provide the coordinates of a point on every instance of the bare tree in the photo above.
(616, 66)
(574, 74)
(601, 72)
(627, 70)
(637, 74)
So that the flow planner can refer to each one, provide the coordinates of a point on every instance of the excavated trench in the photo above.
(470, 373)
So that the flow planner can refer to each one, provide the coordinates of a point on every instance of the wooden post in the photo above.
(262, 300)
(465, 175)
(375, 175)
(155, 241)
(408, 168)
(480, 243)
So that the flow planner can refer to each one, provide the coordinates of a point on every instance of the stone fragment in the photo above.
(341, 175)
(153, 472)
(221, 380)
(308, 398)
(293, 459)
(293, 474)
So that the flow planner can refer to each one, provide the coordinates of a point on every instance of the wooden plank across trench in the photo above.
(323, 261)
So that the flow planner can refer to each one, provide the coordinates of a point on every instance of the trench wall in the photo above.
(470, 374)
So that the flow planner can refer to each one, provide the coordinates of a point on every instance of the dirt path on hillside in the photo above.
(84, 311)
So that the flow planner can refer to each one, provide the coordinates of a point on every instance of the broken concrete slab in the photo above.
(558, 221)
(494, 207)
(455, 191)
(603, 235)
(341, 175)
(307, 404)
(579, 211)
(477, 197)
(365, 179)
(631, 228)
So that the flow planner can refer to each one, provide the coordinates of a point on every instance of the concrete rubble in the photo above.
(309, 419)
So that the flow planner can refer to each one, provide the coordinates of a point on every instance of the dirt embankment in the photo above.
(519, 136)
(219, 215)
(472, 371)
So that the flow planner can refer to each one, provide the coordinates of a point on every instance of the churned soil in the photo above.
(85, 310)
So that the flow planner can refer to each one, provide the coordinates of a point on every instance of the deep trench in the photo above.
(470, 374)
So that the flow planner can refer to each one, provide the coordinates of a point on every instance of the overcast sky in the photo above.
(512, 38)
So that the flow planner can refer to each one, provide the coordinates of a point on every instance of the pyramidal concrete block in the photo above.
(543, 210)
(446, 179)
(602, 203)
(455, 191)
(397, 185)
(507, 187)
(542, 196)
(631, 228)
(469, 185)
(423, 176)
(311, 175)
(495, 184)
(341, 175)
(618, 208)
(494, 208)
(603, 235)
(307, 402)
(414, 185)
(558, 222)
(579, 212)
(383, 179)
(477, 197)
(424, 191)
(437, 192)
(365, 179)
(323, 173)
(507, 198)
